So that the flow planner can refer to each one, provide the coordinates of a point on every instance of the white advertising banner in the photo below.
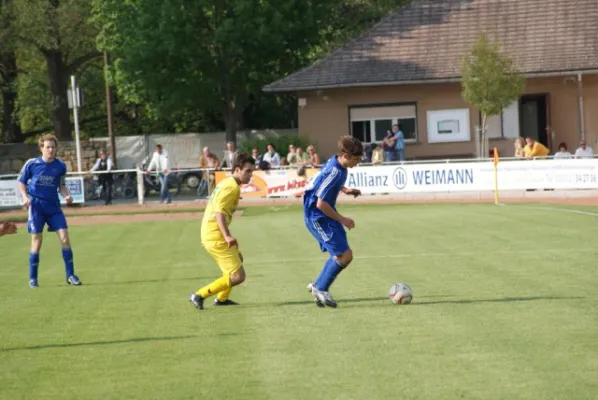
(452, 177)
(11, 197)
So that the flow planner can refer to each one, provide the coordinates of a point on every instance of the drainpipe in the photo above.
(582, 128)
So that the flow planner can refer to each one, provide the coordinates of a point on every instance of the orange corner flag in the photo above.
(495, 155)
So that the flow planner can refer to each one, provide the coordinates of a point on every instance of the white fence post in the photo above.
(140, 188)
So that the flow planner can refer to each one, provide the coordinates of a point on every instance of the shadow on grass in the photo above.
(98, 343)
(358, 300)
(499, 300)
(131, 282)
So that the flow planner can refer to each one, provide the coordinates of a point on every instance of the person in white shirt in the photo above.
(563, 152)
(104, 163)
(583, 150)
(160, 163)
(272, 157)
(229, 156)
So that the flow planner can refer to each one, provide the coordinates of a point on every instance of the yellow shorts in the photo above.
(229, 259)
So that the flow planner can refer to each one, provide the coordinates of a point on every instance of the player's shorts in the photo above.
(42, 212)
(229, 259)
(330, 234)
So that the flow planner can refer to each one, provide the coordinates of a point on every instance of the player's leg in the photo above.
(236, 278)
(57, 223)
(229, 261)
(35, 226)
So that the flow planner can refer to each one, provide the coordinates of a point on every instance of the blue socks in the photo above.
(69, 266)
(329, 273)
(33, 264)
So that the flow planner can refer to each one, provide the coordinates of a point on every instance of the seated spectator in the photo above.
(257, 157)
(314, 158)
(519, 144)
(583, 151)
(562, 153)
(292, 156)
(534, 149)
(302, 158)
(272, 157)
(377, 155)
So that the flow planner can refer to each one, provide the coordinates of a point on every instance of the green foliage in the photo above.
(281, 143)
(490, 80)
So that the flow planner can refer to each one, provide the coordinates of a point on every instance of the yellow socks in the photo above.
(223, 295)
(221, 284)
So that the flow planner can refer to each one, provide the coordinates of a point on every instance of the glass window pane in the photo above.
(408, 127)
(382, 126)
(358, 129)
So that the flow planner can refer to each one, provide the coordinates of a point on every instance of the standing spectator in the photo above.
(160, 162)
(104, 163)
(257, 157)
(314, 158)
(534, 149)
(377, 154)
(562, 153)
(302, 158)
(229, 156)
(292, 156)
(399, 142)
(388, 146)
(7, 228)
(207, 161)
(519, 144)
(583, 151)
(272, 157)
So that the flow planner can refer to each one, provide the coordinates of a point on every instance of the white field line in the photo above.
(563, 210)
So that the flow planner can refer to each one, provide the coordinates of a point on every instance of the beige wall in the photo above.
(326, 115)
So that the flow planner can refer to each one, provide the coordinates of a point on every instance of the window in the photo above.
(445, 126)
(370, 124)
(504, 125)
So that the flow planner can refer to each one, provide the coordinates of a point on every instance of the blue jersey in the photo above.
(326, 185)
(43, 179)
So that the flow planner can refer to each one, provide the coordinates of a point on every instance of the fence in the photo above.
(467, 175)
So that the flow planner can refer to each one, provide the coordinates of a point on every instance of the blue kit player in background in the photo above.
(324, 222)
(39, 182)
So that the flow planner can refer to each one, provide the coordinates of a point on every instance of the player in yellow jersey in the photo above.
(217, 239)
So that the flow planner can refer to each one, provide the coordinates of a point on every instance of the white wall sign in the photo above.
(446, 126)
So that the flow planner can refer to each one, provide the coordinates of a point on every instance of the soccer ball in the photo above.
(400, 293)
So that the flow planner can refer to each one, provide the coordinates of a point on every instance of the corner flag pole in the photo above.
(495, 157)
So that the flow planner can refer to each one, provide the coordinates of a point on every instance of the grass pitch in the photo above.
(505, 307)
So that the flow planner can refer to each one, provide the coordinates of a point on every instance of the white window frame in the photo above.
(395, 121)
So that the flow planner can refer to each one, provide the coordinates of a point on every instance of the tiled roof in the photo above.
(426, 40)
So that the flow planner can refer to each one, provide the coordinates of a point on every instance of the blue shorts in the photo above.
(330, 234)
(43, 212)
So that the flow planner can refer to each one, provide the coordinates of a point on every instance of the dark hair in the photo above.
(350, 145)
(563, 145)
(159, 146)
(271, 144)
(241, 159)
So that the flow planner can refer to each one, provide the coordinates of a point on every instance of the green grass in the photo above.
(505, 307)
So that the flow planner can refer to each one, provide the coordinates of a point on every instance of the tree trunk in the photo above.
(59, 82)
(231, 119)
(11, 128)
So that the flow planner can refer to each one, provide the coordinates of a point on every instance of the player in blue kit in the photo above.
(324, 222)
(39, 182)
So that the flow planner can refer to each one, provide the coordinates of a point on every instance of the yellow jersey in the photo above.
(224, 200)
(537, 150)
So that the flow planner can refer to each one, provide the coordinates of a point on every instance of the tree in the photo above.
(11, 129)
(60, 31)
(209, 55)
(490, 82)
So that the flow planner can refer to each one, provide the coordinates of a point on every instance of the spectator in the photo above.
(562, 153)
(292, 156)
(7, 228)
(272, 157)
(519, 144)
(314, 158)
(229, 156)
(583, 151)
(208, 160)
(160, 162)
(388, 146)
(104, 163)
(377, 154)
(399, 142)
(534, 149)
(257, 157)
(302, 158)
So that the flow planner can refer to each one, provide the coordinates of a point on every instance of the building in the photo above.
(406, 69)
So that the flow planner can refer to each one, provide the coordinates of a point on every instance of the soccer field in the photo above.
(505, 307)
